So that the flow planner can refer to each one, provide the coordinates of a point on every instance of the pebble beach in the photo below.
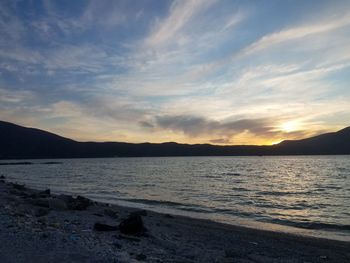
(39, 226)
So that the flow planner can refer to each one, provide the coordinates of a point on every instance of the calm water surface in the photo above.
(305, 194)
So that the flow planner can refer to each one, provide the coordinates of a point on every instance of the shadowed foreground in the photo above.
(37, 226)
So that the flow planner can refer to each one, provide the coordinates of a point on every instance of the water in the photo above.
(307, 195)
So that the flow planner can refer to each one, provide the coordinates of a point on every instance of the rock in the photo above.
(97, 214)
(57, 204)
(117, 244)
(40, 194)
(22, 210)
(20, 214)
(44, 235)
(227, 260)
(41, 212)
(141, 257)
(73, 237)
(110, 213)
(55, 225)
(45, 193)
(104, 227)
(133, 225)
(79, 203)
(42, 221)
(42, 202)
(233, 253)
(130, 238)
(259, 258)
(139, 212)
(17, 192)
(66, 198)
(77, 257)
(20, 187)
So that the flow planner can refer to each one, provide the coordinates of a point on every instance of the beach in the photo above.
(39, 226)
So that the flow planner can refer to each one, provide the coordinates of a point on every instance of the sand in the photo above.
(40, 227)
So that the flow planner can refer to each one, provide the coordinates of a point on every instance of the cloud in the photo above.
(315, 41)
(146, 124)
(234, 20)
(180, 13)
(82, 58)
(11, 27)
(113, 14)
(196, 126)
(220, 141)
(15, 96)
(22, 55)
(298, 32)
(66, 109)
(105, 15)
(160, 66)
(124, 110)
(69, 59)
(237, 131)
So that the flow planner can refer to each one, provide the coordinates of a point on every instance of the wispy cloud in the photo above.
(224, 132)
(293, 33)
(14, 96)
(195, 126)
(180, 13)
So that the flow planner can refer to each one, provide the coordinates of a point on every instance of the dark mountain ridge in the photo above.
(18, 142)
(327, 143)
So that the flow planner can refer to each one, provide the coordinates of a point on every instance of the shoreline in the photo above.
(248, 223)
(41, 226)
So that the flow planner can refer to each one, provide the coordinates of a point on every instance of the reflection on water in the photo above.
(305, 192)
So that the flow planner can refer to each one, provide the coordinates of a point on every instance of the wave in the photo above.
(231, 174)
(241, 189)
(161, 202)
(280, 193)
(207, 210)
(213, 176)
(310, 225)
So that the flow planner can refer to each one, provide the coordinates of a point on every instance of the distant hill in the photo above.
(328, 143)
(18, 142)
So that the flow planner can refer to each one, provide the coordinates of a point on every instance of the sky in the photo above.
(189, 71)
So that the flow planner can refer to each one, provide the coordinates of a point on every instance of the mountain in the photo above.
(328, 143)
(18, 142)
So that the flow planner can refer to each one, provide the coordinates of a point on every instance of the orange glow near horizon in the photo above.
(290, 126)
(161, 137)
(94, 131)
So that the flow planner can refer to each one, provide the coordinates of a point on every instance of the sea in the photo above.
(303, 195)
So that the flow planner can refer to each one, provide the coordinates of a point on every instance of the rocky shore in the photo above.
(38, 226)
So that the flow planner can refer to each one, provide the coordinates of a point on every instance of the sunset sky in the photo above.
(221, 72)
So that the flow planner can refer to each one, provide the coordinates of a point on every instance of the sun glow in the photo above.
(289, 126)
(276, 142)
